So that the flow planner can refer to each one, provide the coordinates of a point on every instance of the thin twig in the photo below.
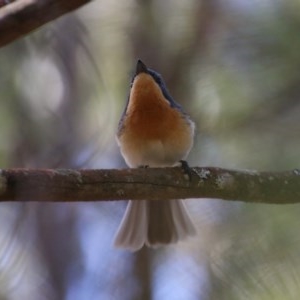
(18, 18)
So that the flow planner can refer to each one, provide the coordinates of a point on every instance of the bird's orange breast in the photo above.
(149, 114)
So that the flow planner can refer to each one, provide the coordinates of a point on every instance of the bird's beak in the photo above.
(140, 68)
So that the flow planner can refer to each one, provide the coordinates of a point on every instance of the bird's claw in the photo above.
(186, 169)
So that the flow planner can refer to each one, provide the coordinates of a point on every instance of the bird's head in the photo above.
(147, 81)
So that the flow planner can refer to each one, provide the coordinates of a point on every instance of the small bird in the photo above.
(153, 132)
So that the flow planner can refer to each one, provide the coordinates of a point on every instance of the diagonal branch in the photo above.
(23, 16)
(153, 184)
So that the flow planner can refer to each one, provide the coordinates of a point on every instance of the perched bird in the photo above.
(153, 132)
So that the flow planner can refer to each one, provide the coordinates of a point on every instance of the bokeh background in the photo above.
(234, 65)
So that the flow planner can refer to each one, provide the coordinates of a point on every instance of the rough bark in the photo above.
(62, 185)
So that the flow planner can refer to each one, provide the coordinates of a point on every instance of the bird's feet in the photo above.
(186, 169)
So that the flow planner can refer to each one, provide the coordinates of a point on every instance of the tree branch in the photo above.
(151, 183)
(23, 16)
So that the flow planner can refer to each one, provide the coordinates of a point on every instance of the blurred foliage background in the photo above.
(234, 66)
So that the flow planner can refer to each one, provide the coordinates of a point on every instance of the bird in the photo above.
(153, 131)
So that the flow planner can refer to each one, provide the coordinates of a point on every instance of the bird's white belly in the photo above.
(153, 153)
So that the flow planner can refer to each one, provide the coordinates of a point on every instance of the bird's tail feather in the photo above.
(153, 223)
